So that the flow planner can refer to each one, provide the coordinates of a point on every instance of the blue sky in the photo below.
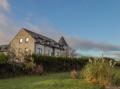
(97, 20)
(92, 22)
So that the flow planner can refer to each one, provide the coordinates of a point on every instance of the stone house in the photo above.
(28, 42)
(4, 49)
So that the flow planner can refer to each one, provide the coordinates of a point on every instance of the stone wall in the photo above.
(24, 47)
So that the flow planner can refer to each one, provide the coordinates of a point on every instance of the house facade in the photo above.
(30, 42)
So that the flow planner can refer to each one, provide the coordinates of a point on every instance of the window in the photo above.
(27, 40)
(21, 40)
(49, 53)
(39, 51)
(57, 53)
(48, 43)
(26, 50)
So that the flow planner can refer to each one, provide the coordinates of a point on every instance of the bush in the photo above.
(39, 69)
(8, 68)
(99, 72)
(3, 58)
(11, 70)
(28, 64)
(59, 64)
(74, 74)
(116, 80)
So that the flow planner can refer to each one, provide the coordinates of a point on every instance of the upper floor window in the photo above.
(21, 40)
(27, 40)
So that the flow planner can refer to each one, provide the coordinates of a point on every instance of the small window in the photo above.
(26, 50)
(21, 40)
(27, 40)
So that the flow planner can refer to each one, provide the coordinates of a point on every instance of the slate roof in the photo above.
(62, 41)
(4, 48)
(38, 36)
(45, 40)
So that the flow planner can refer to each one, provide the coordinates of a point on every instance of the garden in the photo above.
(43, 72)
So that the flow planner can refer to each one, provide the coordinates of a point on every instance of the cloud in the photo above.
(6, 25)
(114, 53)
(83, 44)
(48, 29)
(7, 29)
(5, 5)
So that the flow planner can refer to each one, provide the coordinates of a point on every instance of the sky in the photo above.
(89, 26)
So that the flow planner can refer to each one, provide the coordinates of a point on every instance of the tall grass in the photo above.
(100, 72)
(116, 80)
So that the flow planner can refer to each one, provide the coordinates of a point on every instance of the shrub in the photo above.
(99, 72)
(74, 74)
(3, 58)
(28, 64)
(116, 80)
(39, 69)
(11, 70)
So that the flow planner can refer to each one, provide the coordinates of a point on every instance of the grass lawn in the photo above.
(47, 81)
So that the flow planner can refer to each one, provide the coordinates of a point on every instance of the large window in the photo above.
(40, 51)
(49, 53)
(27, 40)
(57, 53)
(21, 40)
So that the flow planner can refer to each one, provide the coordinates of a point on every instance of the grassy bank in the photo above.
(47, 81)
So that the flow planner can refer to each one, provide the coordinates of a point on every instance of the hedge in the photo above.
(59, 64)
(10, 70)
(50, 64)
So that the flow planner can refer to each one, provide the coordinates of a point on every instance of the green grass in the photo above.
(117, 72)
(47, 81)
(117, 76)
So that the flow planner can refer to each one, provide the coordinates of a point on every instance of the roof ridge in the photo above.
(35, 33)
